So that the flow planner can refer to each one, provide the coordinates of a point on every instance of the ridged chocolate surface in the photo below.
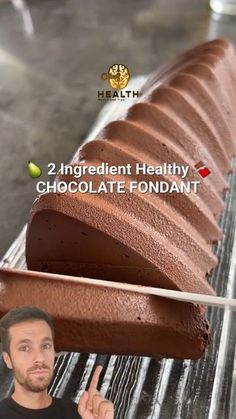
(186, 114)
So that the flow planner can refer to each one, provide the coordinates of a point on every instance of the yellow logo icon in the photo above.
(118, 76)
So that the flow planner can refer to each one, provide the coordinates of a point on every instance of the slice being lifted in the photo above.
(92, 318)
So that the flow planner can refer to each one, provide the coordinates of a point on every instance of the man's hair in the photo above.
(20, 315)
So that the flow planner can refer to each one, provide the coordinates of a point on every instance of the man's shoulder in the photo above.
(4, 408)
(68, 406)
(4, 402)
(65, 402)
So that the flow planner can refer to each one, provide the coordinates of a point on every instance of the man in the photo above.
(27, 335)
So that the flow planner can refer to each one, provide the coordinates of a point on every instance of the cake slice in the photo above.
(100, 319)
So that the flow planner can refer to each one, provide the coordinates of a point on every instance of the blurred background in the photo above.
(52, 53)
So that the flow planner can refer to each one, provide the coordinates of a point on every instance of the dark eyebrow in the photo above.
(24, 341)
(47, 339)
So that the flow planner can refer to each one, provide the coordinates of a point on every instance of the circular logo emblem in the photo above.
(118, 76)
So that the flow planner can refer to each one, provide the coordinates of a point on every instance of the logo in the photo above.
(117, 76)
(202, 169)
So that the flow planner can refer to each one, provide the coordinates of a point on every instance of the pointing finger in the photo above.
(92, 390)
(95, 378)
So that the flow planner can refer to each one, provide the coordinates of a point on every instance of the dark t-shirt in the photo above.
(59, 409)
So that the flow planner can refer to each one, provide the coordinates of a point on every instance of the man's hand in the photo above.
(92, 405)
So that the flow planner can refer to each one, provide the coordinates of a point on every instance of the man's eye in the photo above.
(24, 348)
(47, 346)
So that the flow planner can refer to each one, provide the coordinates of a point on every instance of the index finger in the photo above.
(95, 378)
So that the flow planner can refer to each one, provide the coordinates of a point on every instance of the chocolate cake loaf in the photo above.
(186, 114)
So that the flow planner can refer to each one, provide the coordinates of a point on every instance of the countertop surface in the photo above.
(52, 54)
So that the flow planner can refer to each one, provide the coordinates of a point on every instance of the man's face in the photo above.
(31, 354)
